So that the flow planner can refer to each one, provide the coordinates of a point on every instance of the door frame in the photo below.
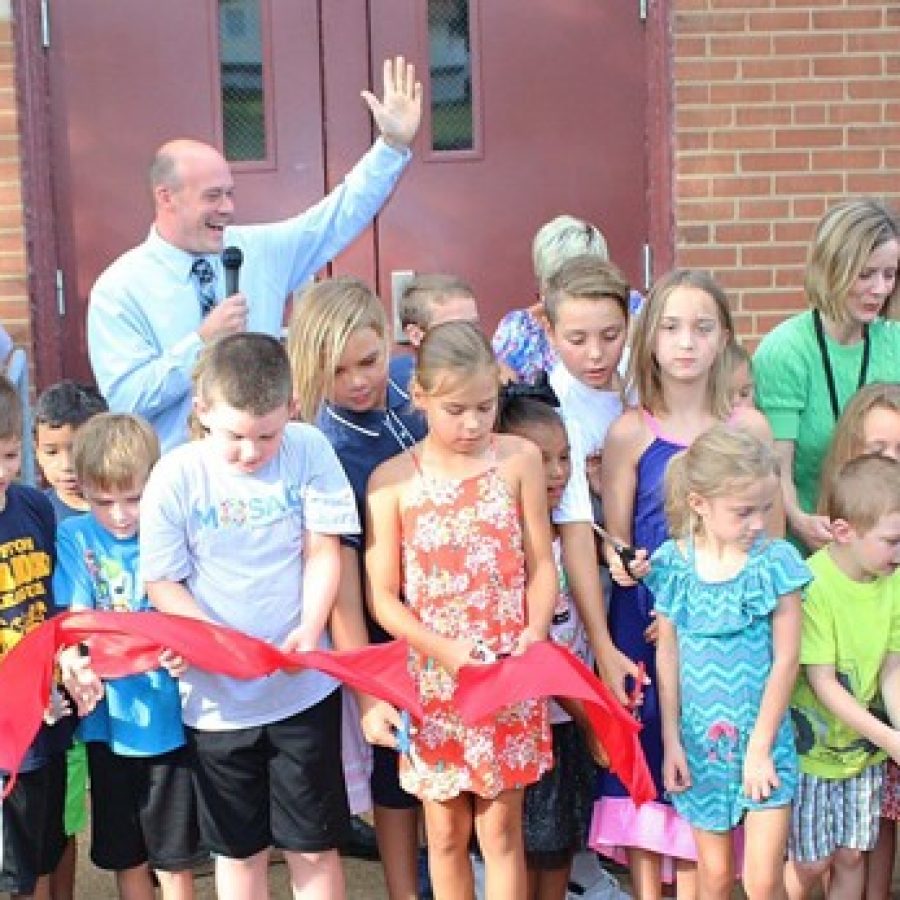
(32, 79)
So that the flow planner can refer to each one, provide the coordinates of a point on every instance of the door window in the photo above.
(450, 73)
(245, 115)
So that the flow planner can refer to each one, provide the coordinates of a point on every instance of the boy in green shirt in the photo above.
(850, 660)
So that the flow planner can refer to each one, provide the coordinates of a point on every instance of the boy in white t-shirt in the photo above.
(242, 528)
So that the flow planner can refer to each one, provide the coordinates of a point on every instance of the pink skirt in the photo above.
(618, 826)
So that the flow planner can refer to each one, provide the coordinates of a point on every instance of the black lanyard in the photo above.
(826, 362)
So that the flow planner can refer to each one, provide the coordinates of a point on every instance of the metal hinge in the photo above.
(642, 9)
(60, 293)
(45, 23)
(647, 258)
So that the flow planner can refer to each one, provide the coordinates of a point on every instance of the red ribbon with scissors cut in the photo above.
(127, 643)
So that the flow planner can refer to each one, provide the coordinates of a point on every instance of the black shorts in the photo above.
(280, 784)
(557, 809)
(385, 781)
(143, 810)
(32, 826)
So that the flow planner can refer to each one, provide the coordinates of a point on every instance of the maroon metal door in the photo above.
(558, 113)
(126, 76)
(559, 101)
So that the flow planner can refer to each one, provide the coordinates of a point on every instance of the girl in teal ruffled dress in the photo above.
(728, 606)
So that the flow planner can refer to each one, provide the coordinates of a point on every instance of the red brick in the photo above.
(706, 164)
(810, 114)
(745, 277)
(741, 186)
(846, 19)
(709, 257)
(709, 23)
(853, 113)
(792, 231)
(809, 207)
(809, 137)
(743, 232)
(703, 117)
(847, 67)
(774, 162)
(705, 69)
(692, 187)
(776, 67)
(762, 115)
(772, 254)
(807, 44)
(689, 210)
(822, 183)
(740, 45)
(879, 136)
(845, 159)
(767, 208)
(686, 46)
(814, 91)
(769, 301)
(875, 89)
(872, 42)
(742, 139)
(737, 92)
(693, 234)
(778, 20)
(879, 183)
(691, 93)
(792, 276)
(688, 141)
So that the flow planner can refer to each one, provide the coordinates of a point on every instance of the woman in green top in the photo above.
(808, 367)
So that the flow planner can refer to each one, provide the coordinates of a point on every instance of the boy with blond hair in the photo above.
(143, 815)
(850, 656)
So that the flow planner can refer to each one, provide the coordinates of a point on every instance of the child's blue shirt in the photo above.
(140, 714)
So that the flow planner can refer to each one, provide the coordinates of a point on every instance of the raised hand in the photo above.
(398, 114)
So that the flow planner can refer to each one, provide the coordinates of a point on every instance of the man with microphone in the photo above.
(153, 309)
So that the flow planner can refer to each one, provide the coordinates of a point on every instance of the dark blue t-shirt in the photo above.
(27, 559)
(362, 441)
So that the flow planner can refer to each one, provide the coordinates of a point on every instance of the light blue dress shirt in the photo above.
(144, 312)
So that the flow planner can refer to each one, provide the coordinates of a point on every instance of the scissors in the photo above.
(626, 553)
(634, 695)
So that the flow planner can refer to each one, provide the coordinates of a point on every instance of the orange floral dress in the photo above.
(464, 576)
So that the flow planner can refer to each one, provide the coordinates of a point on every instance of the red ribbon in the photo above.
(127, 643)
(549, 670)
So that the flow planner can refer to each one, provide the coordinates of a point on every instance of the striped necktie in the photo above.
(206, 285)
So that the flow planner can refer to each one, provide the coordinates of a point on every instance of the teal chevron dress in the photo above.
(724, 632)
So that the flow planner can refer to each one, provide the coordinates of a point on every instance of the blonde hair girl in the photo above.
(458, 527)
(337, 345)
(807, 368)
(678, 370)
(728, 607)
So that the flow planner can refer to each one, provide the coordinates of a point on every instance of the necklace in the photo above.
(826, 363)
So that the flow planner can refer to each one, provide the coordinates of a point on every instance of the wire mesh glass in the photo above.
(450, 72)
(241, 75)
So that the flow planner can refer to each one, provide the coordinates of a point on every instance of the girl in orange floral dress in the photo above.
(458, 527)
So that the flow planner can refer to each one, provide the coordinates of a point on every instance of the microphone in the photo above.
(231, 260)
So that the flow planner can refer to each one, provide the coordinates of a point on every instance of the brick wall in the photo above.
(781, 108)
(14, 306)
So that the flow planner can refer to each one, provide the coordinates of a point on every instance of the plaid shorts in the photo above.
(828, 813)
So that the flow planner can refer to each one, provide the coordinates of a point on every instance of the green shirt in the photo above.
(792, 392)
(851, 625)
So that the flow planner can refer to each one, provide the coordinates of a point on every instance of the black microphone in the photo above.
(232, 259)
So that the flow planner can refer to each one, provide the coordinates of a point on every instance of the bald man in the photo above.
(148, 317)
